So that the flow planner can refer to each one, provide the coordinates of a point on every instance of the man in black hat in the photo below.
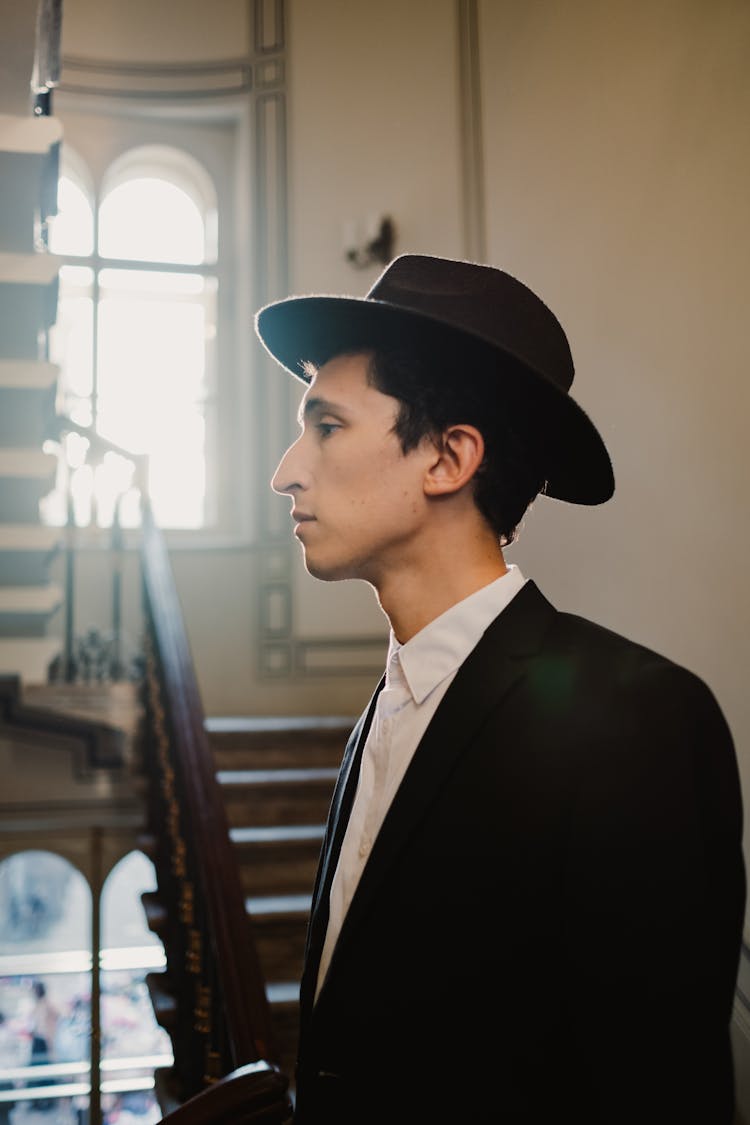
(530, 896)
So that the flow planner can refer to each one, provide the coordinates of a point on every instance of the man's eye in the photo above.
(325, 429)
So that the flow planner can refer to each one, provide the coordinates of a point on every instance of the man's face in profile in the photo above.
(358, 501)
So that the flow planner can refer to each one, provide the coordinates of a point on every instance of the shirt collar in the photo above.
(442, 646)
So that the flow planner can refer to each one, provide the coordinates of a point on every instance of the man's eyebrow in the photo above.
(318, 406)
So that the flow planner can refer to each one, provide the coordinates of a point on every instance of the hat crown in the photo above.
(473, 320)
(484, 301)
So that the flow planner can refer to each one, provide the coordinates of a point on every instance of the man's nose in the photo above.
(288, 478)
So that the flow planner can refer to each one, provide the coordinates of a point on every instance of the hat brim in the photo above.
(313, 329)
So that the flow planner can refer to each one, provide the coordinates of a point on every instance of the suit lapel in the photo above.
(341, 803)
(496, 663)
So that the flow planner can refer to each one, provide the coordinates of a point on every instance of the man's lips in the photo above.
(300, 519)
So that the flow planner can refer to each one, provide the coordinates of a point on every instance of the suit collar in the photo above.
(341, 803)
(514, 636)
(442, 646)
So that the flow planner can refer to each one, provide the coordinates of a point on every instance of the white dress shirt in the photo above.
(418, 674)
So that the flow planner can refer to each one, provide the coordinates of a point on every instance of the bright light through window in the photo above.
(151, 220)
(152, 345)
(72, 229)
(136, 345)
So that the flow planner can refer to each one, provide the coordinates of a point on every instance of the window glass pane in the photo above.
(45, 988)
(72, 336)
(152, 355)
(133, 1045)
(45, 905)
(123, 916)
(152, 220)
(72, 228)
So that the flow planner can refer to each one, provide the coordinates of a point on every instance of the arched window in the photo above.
(133, 1045)
(136, 329)
(45, 986)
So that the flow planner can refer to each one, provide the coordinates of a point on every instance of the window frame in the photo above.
(215, 145)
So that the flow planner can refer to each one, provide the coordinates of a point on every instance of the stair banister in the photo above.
(98, 445)
(251, 1036)
(224, 981)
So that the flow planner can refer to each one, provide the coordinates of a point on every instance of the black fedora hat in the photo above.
(486, 320)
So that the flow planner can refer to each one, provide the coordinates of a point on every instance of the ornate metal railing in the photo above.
(96, 654)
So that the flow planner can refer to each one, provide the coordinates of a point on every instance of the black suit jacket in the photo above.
(549, 924)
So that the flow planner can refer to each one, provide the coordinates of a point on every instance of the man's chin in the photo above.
(327, 572)
(324, 575)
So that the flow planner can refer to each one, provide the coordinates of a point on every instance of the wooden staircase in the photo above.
(277, 777)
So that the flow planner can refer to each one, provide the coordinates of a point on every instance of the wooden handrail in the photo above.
(251, 1095)
(198, 803)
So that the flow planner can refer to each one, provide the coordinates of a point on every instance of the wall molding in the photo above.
(470, 116)
(166, 80)
(158, 80)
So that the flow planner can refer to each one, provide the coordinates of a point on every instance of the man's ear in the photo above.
(459, 451)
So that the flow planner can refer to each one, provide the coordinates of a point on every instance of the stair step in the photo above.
(284, 1001)
(114, 704)
(28, 657)
(26, 414)
(26, 475)
(25, 610)
(30, 539)
(269, 905)
(283, 993)
(278, 860)
(277, 797)
(26, 551)
(279, 924)
(29, 599)
(27, 462)
(28, 374)
(28, 300)
(277, 742)
(29, 269)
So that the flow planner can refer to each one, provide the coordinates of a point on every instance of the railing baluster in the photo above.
(115, 669)
(69, 665)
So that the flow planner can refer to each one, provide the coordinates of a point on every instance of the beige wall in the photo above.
(174, 31)
(617, 169)
(615, 178)
(373, 130)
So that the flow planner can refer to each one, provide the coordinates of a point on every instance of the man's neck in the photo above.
(411, 599)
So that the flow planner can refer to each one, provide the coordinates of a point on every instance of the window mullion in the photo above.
(96, 262)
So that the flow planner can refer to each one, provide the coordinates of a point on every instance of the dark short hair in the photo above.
(434, 394)
(435, 391)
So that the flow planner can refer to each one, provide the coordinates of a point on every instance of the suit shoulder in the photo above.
(617, 667)
(589, 641)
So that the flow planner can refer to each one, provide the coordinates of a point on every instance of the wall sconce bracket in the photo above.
(379, 249)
